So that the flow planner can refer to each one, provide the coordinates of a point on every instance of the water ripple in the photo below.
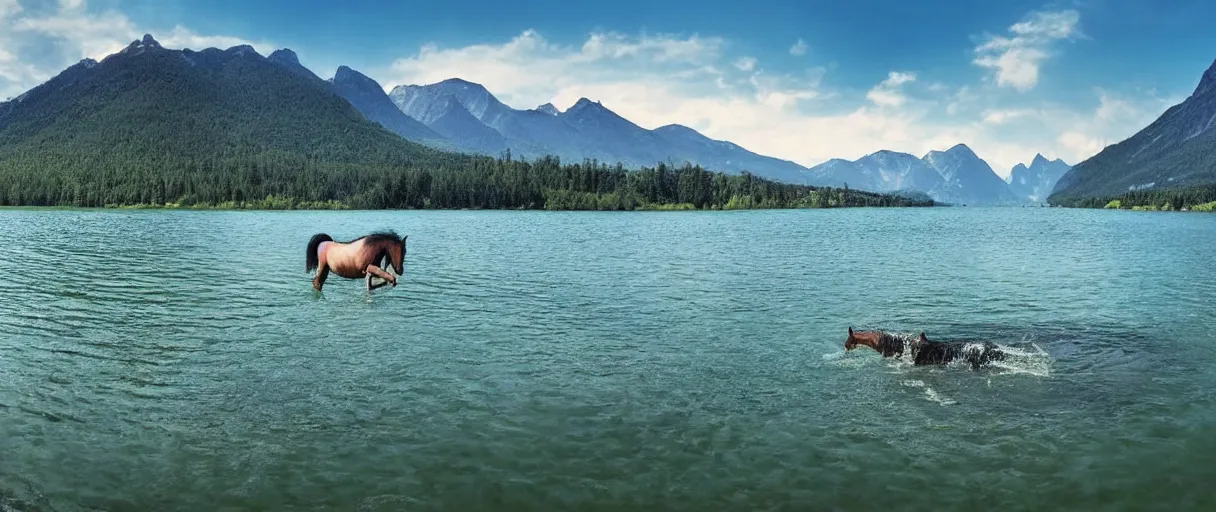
(656, 361)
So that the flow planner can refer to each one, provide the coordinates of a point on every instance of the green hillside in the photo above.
(1173, 156)
(150, 126)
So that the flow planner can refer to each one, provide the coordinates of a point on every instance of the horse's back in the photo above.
(344, 258)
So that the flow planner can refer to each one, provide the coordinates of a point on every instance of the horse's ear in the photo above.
(922, 337)
(850, 331)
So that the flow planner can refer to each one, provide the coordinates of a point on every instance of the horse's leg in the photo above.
(319, 280)
(378, 272)
(372, 287)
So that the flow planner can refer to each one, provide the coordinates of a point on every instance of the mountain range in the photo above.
(475, 120)
(160, 127)
(1178, 150)
(956, 175)
(148, 119)
(1038, 180)
(458, 115)
(470, 118)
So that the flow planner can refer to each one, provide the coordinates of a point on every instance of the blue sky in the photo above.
(803, 80)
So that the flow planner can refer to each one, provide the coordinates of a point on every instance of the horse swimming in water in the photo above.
(365, 257)
(925, 352)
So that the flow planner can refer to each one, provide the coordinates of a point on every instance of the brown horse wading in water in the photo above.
(363, 258)
(923, 351)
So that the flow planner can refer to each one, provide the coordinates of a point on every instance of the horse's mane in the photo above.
(889, 343)
(381, 236)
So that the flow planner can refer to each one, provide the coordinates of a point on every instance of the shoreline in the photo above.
(337, 206)
(665, 208)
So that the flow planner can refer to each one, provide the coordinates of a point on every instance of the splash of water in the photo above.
(1019, 361)
(930, 394)
(1029, 359)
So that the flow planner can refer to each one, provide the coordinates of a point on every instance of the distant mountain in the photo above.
(34, 98)
(443, 113)
(526, 133)
(474, 97)
(727, 156)
(839, 172)
(289, 60)
(233, 129)
(369, 98)
(1034, 183)
(587, 130)
(956, 175)
(143, 122)
(967, 179)
(901, 171)
(1177, 150)
(615, 138)
(881, 171)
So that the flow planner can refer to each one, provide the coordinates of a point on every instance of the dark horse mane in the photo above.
(380, 236)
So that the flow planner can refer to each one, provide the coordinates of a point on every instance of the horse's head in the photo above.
(397, 252)
(850, 343)
(864, 338)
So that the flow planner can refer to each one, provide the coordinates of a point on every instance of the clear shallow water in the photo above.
(582, 361)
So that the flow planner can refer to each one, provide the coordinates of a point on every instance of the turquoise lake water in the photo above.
(607, 361)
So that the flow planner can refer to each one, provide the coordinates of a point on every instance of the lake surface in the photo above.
(607, 361)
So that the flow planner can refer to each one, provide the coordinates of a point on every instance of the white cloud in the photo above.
(1114, 119)
(64, 36)
(529, 70)
(730, 97)
(1006, 136)
(799, 48)
(9, 8)
(694, 80)
(897, 78)
(182, 37)
(1016, 60)
(1002, 116)
(887, 93)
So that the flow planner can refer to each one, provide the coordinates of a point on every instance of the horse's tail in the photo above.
(311, 258)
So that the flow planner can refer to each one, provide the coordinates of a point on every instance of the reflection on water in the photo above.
(648, 361)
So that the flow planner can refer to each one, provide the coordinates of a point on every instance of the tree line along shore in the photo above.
(285, 182)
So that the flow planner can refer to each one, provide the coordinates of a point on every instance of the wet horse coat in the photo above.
(926, 352)
(364, 257)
